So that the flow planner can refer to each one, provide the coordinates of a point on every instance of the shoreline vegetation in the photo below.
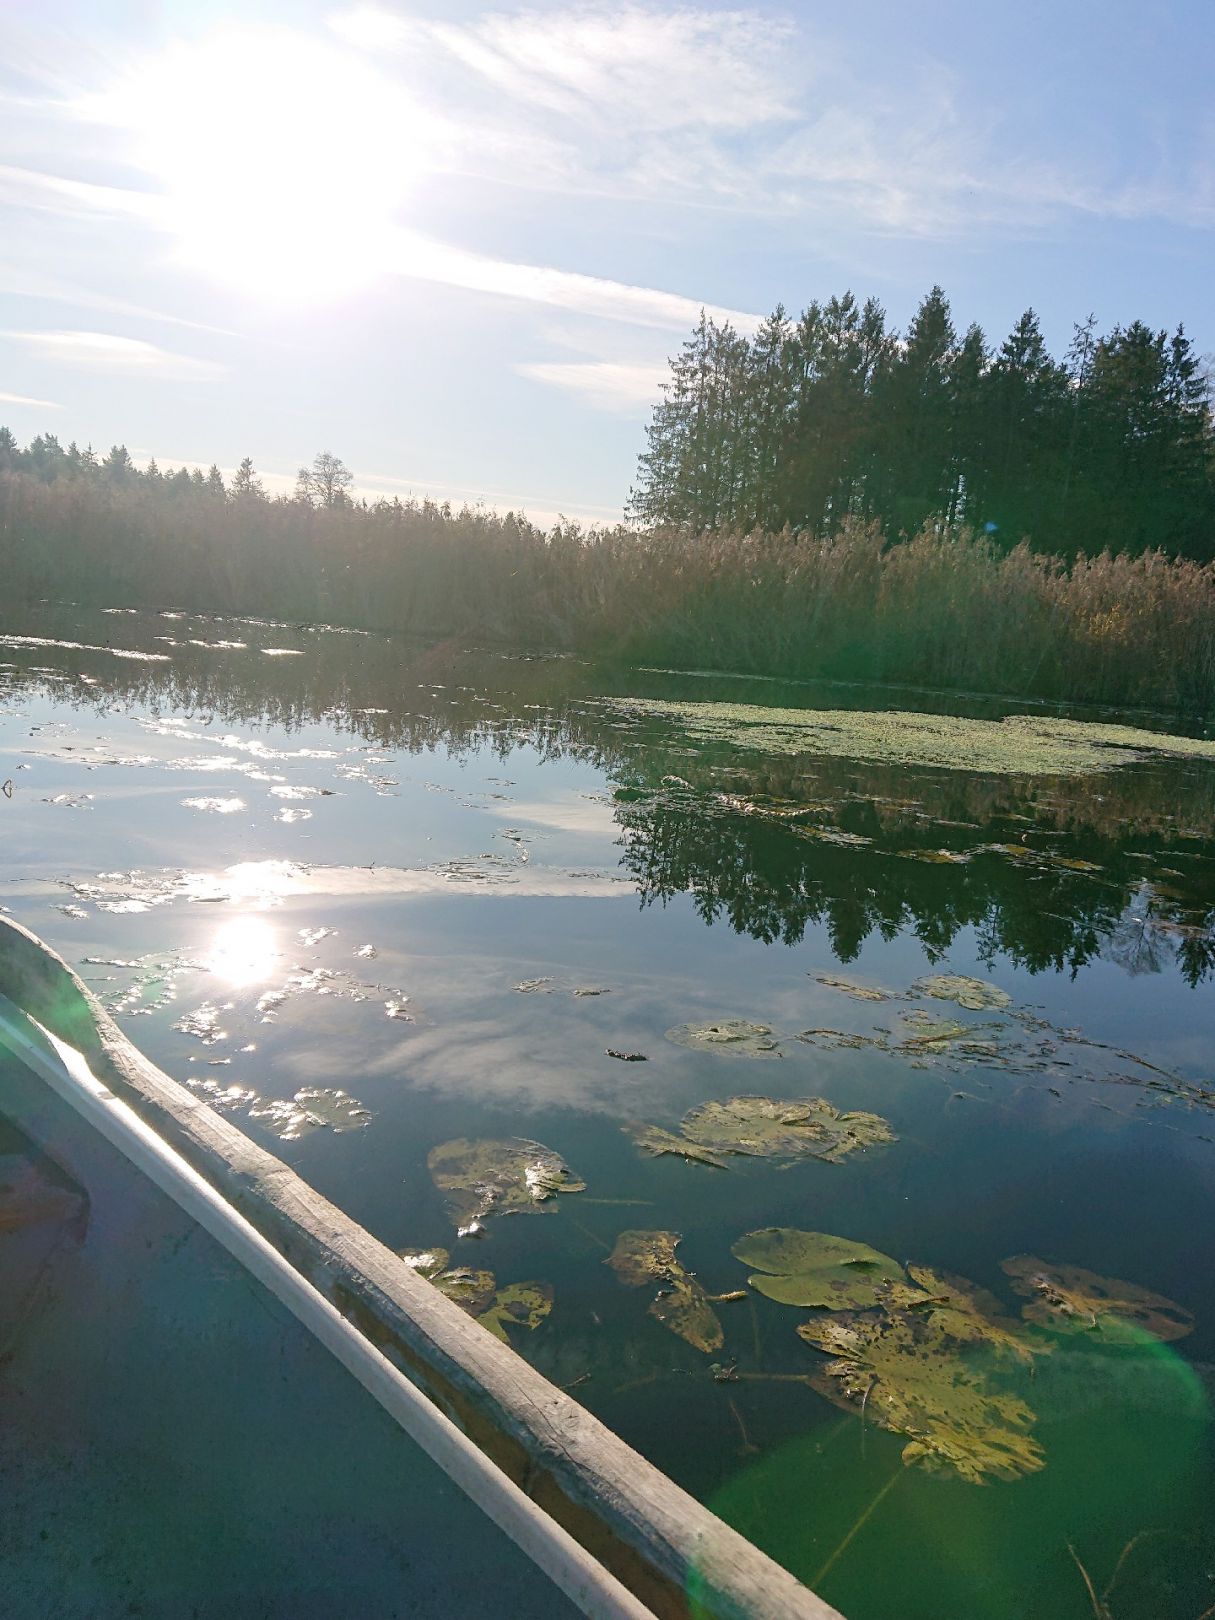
(947, 608)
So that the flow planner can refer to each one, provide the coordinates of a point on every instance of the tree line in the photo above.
(836, 416)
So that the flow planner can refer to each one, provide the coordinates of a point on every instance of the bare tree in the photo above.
(326, 482)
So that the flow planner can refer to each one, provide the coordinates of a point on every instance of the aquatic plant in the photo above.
(1068, 1299)
(681, 1303)
(509, 1177)
(765, 1127)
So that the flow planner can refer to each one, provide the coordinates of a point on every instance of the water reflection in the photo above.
(243, 952)
(1050, 873)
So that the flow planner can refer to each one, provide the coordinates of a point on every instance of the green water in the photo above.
(326, 861)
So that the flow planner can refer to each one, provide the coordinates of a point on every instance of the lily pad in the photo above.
(968, 1314)
(763, 1127)
(427, 1263)
(861, 992)
(681, 1304)
(909, 1375)
(654, 1140)
(736, 1036)
(815, 1268)
(1069, 1299)
(523, 1305)
(469, 1288)
(509, 1177)
(976, 994)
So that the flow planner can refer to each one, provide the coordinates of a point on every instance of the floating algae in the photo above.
(1069, 1299)
(763, 1127)
(681, 1303)
(861, 992)
(508, 1177)
(1018, 745)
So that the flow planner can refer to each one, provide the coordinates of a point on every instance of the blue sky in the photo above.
(455, 243)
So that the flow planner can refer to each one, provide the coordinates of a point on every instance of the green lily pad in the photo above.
(736, 1036)
(909, 1376)
(815, 1268)
(976, 994)
(509, 1177)
(522, 1305)
(763, 1127)
(681, 1303)
(1069, 1299)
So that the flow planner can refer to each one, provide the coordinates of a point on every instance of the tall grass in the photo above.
(946, 608)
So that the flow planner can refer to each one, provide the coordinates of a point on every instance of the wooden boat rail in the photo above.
(664, 1548)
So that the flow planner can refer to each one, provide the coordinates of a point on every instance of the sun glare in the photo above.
(243, 952)
(283, 161)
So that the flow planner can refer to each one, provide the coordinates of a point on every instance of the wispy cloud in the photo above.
(24, 399)
(427, 260)
(742, 110)
(104, 351)
(605, 384)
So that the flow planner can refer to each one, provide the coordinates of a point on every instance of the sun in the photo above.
(282, 161)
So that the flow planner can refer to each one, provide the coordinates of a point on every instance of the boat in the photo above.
(613, 1533)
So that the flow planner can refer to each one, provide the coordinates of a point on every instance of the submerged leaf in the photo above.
(1072, 1300)
(976, 994)
(904, 1372)
(815, 1268)
(681, 1303)
(524, 1305)
(507, 1177)
(736, 1036)
(763, 1127)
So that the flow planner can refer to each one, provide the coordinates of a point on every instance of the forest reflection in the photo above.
(1049, 873)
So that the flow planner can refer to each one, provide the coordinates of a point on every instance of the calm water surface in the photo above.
(298, 859)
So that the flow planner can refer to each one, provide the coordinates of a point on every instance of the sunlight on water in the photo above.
(243, 952)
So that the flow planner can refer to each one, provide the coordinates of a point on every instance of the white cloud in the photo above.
(608, 385)
(29, 188)
(103, 351)
(24, 399)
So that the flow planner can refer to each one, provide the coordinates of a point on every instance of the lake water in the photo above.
(449, 884)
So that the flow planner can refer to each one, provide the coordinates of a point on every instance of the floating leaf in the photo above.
(523, 1305)
(910, 1376)
(815, 1268)
(681, 1303)
(312, 1109)
(861, 992)
(507, 1177)
(654, 1140)
(1072, 1300)
(976, 994)
(736, 1036)
(765, 1128)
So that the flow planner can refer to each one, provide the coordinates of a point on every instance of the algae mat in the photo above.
(1018, 745)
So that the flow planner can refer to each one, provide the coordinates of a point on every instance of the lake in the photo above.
(372, 897)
